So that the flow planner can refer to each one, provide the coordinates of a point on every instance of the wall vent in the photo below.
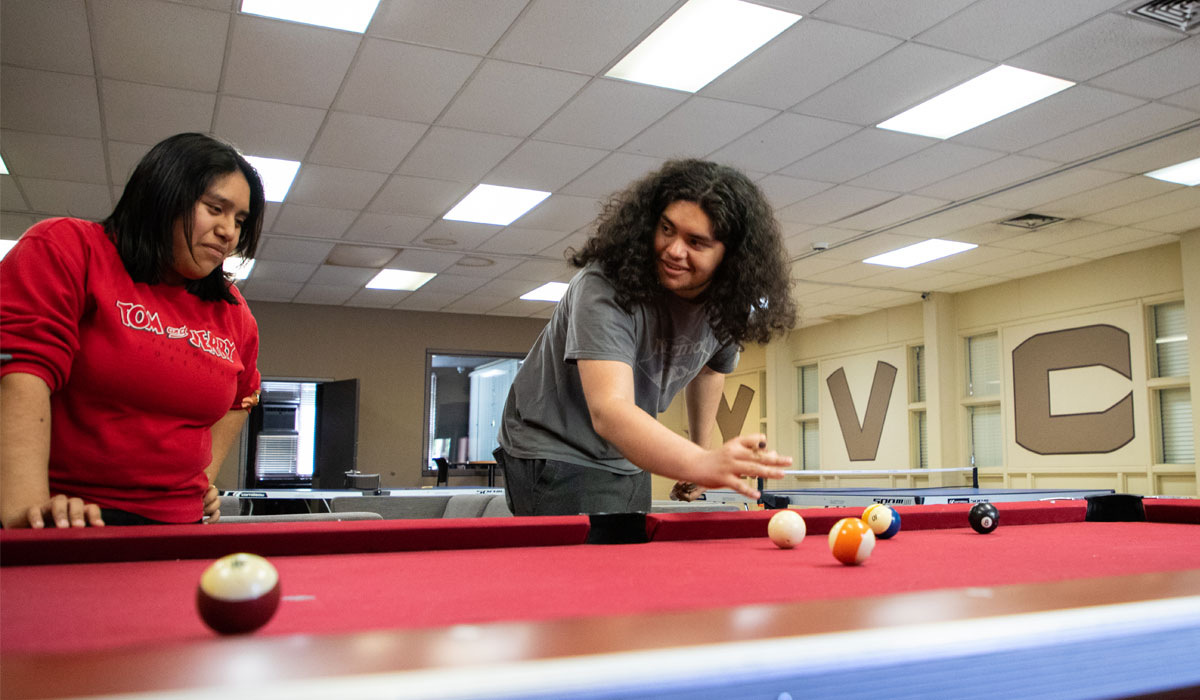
(1183, 15)
(1030, 222)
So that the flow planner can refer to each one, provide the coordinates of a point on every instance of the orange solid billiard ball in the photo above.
(238, 593)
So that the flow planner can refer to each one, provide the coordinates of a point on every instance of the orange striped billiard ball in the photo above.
(851, 541)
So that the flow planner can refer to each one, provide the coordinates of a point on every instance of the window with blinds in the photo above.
(807, 398)
(921, 428)
(983, 365)
(985, 436)
(917, 360)
(1170, 340)
(918, 417)
(1175, 412)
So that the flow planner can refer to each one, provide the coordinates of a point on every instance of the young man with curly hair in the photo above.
(684, 266)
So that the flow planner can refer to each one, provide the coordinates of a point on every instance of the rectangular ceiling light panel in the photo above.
(551, 291)
(493, 204)
(997, 92)
(702, 40)
(347, 15)
(238, 266)
(1185, 173)
(403, 280)
(276, 174)
(919, 253)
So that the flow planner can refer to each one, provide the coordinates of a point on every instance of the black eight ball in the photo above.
(984, 517)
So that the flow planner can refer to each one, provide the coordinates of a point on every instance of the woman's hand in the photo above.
(743, 456)
(59, 511)
(212, 504)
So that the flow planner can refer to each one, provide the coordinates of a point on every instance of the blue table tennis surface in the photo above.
(864, 496)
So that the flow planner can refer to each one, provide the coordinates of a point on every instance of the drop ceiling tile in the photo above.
(698, 127)
(474, 304)
(269, 291)
(425, 301)
(13, 200)
(782, 190)
(950, 222)
(541, 271)
(826, 52)
(608, 113)
(1116, 195)
(782, 141)
(892, 83)
(458, 25)
(510, 98)
(902, 208)
(858, 154)
(565, 35)
(1166, 199)
(323, 294)
(869, 246)
(60, 198)
(925, 167)
(402, 81)
(520, 307)
(1114, 133)
(376, 298)
(522, 241)
(1033, 195)
(122, 159)
(508, 288)
(147, 114)
(364, 143)
(896, 19)
(561, 213)
(292, 250)
(1138, 244)
(970, 261)
(1097, 46)
(833, 204)
(287, 62)
(1002, 172)
(338, 188)
(452, 284)
(1056, 234)
(1059, 114)
(277, 271)
(46, 34)
(457, 154)
(387, 228)
(613, 174)
(417, 196)
(562, 249)
(1091, 246)
(420, 260)
(1177, 223)
(321, 222)
(469, 266)
(1157, 75)
(459, 235)
(54, 157)
(13, 226)
(805, 268)
(847, 273)
(49, 103)
(336, 275)
(1188, 99)
(884, 298)
(141, 41)
(268, 129)
(998, 29)
(1014, 265)
(1167, 150)
(540, 165)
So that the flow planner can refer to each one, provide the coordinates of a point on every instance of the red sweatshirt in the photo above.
(138, 373)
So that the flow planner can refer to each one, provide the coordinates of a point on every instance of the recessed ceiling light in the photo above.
(276, 174)
(5, 246)
(474, 261)
(238, 266)
(3, 167)
(350, 15)
(919, 253)
(702, 40)
(997, 92)
(550, 291)
(440, 241)
(1185, 173)
(359, 256)
(404, 280)
(492, 204)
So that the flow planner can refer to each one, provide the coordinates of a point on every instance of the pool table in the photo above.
(1054, 603)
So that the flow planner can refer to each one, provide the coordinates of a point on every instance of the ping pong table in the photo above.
(865, 496)
(320, 499)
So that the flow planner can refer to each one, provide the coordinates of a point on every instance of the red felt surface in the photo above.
(107, 605)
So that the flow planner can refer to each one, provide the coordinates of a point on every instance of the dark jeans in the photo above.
(112, 516)
(550, 487)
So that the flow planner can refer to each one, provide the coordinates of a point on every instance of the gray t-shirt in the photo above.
(666, 342)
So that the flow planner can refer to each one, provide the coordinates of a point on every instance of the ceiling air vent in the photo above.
(1031, 222)
(1183, 15)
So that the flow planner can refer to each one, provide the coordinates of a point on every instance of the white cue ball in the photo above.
(786, 529)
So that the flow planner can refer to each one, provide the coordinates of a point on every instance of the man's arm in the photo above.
(25, 460)
(224, 433)
(702, 397)
(608, 387)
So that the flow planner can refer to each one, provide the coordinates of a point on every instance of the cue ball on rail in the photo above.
(883, 520)
(238, 593)
(786, 529)
(984, 517)
(851, 541)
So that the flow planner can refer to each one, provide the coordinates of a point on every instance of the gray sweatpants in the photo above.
(550, 487)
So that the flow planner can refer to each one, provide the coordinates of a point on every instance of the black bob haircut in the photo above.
(163, 189)
(749, 298)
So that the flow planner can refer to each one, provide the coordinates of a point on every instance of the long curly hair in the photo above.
(748, 298)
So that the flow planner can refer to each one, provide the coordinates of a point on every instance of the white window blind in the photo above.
(1178, 440)
(922, 419)
(810, 446)
(986, 434)
(807, 391)
(1170, 340)
(983, 365)
(918, 364)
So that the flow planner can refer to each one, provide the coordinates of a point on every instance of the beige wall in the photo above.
(384, 350)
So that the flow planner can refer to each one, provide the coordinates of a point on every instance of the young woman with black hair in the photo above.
(133, 356)
(684, 266)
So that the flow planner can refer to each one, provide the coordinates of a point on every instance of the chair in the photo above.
(467, 505)
(443, 471)
(497, 508)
